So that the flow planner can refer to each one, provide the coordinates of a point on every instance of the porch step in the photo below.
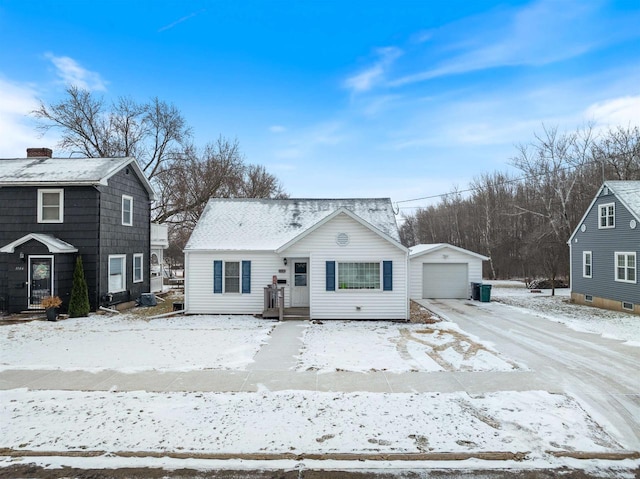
(301, 314)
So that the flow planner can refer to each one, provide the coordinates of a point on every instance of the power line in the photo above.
(505, 182)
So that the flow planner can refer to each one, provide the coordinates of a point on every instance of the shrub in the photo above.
(79, 302)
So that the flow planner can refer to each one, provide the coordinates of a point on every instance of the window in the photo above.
(588, 298)
(358, 275)
(137, 267)
(127, 210)
(586, 264)
(50, 206)
(117, 275)
(607, 216)
(628, 306)
(232, 277)
(626, 267)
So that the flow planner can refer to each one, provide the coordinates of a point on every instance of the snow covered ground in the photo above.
(396, 347)
(610, 324)
(129, 343)
(533, 422)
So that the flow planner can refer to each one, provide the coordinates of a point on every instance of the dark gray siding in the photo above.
(18, 217)
(604, 243)
(119, 239)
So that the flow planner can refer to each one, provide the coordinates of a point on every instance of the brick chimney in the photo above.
(39, 152)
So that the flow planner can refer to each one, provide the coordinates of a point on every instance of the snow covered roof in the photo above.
(53, 244)
(44, 171)
(268, 224)
(421, 249)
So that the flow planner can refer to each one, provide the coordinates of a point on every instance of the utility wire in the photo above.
(513, 180)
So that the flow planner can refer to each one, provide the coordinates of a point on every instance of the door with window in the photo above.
(300, 283)
(40, 279)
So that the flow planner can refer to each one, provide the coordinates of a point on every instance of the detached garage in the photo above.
(443, 271)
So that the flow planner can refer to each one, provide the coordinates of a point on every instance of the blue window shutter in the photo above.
(217, 276)
(246, 277)
(387, 276)
(331, 275)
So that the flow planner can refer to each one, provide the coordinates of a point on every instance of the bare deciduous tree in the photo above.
(154, 132)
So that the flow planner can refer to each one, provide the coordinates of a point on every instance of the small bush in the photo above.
(79, 302)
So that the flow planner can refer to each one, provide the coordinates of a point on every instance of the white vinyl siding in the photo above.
(607, 216)
(117, 273)
(199, 295)
(319, 247)
(138, 268)
(587, 264)
(51, 206)
(625, 265)
(127, 210)
(364, 246)
(416, 268)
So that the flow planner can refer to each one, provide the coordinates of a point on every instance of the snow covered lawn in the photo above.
(298, 422)
(610, 324)
(396, 347)
(128, 343)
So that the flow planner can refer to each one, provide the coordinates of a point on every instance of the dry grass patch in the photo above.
(420, 314)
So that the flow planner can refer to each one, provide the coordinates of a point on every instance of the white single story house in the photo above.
(443, 271)
(336, 258)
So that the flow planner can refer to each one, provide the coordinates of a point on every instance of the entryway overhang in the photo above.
(53, 244)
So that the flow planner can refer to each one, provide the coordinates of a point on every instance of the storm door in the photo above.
(40, 279)
(300, 289)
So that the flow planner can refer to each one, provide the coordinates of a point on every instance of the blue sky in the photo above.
(404, 99)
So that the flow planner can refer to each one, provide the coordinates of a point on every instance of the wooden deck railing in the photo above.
(273, 302)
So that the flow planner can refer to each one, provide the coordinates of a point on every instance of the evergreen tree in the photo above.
(79, 302)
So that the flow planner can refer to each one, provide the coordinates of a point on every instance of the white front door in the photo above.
(300, 283)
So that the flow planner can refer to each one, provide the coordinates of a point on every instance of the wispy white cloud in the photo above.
(180, 20)
(18, 129)
(624, 111)
(368, 78)
(277, 129)
(72, 73)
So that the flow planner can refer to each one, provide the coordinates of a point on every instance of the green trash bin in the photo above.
(485, 293)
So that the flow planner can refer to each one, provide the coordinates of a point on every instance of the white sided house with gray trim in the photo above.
(604, 248)
(442, 270)
(330, 258)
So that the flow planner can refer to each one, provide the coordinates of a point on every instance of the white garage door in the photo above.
(448, 280)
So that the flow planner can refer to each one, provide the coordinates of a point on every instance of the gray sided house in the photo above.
(327, 258)
(604, 249)
(55, 209)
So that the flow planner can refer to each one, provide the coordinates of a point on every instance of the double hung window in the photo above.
(127, 210)
(587, 264)
(117, 273)
(626, 267)
(50, 206)
(607, 216)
